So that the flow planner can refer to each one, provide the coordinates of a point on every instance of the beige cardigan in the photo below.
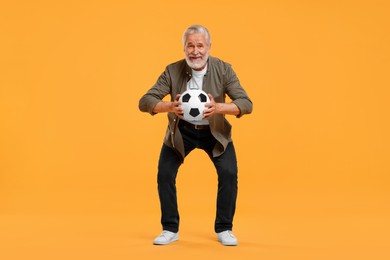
(220, 80)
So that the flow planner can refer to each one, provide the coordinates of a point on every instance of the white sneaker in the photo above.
(227, 238)
(166, 237)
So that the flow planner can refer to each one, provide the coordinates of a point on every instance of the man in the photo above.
(212, 134)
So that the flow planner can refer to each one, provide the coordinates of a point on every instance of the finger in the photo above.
(178, 96)
(179, 113)
(207, 113)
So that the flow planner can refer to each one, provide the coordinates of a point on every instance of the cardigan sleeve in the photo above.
(236, 92)
(154, 95)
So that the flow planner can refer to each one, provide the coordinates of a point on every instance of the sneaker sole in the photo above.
(165, 243)
(228, 244)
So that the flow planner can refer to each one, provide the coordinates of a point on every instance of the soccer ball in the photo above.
(193, 104)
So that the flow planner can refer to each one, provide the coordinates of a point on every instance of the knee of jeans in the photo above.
(166, 176)
(228, 173)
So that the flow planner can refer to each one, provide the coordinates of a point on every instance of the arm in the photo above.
(152, 102)
(169, 106)
(241, 103)
(220, 108)
(227, 109)
(237, 93)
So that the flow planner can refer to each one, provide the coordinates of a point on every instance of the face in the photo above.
(196, 51)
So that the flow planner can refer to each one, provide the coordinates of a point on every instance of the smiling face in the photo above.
(196, 50)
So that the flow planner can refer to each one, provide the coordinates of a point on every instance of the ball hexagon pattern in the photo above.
(193, 103)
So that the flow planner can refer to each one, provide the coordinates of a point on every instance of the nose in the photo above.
(195, 50)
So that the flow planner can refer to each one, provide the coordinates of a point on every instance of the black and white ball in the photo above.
(193, 103)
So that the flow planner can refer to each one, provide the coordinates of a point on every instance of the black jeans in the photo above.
(226, 166)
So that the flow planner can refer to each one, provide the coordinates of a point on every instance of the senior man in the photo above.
(212, 134)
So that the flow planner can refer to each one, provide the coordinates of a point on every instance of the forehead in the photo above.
(196, 38)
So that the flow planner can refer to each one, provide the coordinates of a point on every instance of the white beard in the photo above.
(197, 65)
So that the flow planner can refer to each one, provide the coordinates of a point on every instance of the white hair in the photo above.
(196, 28)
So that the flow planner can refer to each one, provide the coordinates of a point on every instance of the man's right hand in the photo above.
(170, 106)
(176, 107)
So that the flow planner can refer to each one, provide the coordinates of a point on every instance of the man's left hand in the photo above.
(212, 108)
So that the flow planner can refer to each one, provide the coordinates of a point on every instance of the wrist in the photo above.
(170, 106)
(218, 108)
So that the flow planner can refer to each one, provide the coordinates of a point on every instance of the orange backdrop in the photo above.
(78, 160)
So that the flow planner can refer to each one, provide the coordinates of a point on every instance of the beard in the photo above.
(197, 64)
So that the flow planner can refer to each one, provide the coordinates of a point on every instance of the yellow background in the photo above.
(78, 160)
